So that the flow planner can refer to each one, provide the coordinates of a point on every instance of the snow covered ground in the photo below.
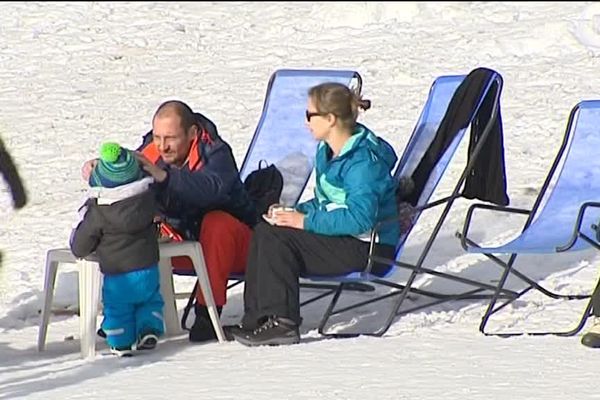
(74, 75)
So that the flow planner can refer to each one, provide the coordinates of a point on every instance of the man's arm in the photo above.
(208, 187)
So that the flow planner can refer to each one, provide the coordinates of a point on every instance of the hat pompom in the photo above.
(110, 152)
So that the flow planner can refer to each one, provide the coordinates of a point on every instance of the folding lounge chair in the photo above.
(281, 138)
(562, 218)
(283, 117)
(443, 91)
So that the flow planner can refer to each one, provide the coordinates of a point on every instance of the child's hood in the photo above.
(129, 207)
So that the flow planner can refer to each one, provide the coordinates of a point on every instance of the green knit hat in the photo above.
(117, 166)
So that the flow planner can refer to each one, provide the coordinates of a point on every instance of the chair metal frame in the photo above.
(400, 291)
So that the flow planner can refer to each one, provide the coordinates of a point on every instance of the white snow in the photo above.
(75, 74)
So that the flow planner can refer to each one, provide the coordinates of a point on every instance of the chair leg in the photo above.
(202, 274)
(89, 293)
(53, 258)
(328, 311)
(49, 282)
(194, 251)
(492, 309)
(167, 292)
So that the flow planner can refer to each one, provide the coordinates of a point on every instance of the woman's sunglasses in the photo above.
(309, 115)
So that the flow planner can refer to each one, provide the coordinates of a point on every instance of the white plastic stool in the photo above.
(89, 292)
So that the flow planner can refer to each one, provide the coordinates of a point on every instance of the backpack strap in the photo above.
(260, 164)
(188, 307)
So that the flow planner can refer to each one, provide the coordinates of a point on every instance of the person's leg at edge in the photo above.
(592, 337)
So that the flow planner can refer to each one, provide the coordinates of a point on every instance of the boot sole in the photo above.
(147, 342)
(122, 353)
(231, 330)
(279, 341)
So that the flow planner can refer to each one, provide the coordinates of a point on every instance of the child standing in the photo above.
(118, 225)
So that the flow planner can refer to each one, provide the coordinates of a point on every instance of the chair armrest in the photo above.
(467, 224)
(398, 219)
(374, 232)
(576, 229)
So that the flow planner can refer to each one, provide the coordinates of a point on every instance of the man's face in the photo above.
(172, 141)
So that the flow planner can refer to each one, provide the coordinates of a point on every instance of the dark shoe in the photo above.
(100, 332)
(202, 330)
(148, 341)
(274, 331)
(230, 330)
(592, 337)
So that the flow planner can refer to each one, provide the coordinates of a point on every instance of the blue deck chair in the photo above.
(562, 218)
(282, 138)
(440, 96)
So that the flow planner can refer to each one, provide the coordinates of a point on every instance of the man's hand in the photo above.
(157, 173)
(87, 169)
(291, 219)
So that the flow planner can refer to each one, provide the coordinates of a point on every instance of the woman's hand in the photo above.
(270, 210)
(291, 219)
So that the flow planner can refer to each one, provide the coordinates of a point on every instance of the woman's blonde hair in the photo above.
(337, 99)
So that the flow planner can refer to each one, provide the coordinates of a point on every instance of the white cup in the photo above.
(279, 209)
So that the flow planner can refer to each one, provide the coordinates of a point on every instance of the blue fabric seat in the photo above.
(281, 136)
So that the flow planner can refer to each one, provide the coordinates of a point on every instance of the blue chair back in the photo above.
(576, 182)
(282, 137)
(440, 94)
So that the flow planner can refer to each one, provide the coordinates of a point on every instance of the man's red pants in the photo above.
(225, 241)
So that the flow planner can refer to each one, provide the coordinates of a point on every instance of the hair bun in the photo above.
(364, 104)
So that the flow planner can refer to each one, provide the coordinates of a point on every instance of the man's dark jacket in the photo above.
(212, 184)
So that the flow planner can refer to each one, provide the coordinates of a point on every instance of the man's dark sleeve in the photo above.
(209, 186)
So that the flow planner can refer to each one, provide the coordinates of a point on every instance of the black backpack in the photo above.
(264, 186)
